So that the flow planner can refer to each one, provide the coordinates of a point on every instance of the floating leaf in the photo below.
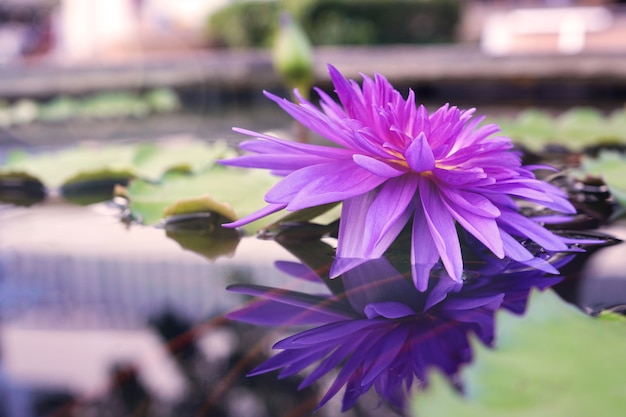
(113, 105)
(180, 154)
(610, 166)
(21, 189)
(575, 129)
(241, 189)
(56, 168)
(555, 362)
(204, 204)
(91, 187)
(533, 128)
(74, 170)
(59, 109)
(162, 100)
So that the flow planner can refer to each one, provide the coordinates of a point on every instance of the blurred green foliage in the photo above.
(103, 105)
(576, 129)
(338, 22)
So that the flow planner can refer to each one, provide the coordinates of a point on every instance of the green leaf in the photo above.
(153, 160)
(74, 170)
(610, 166)
(162, 100)
(241, 189)
(56, 168)
(533, 128)
(574, 129)
(555, 362)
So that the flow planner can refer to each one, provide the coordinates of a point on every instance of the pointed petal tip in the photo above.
(342, 265)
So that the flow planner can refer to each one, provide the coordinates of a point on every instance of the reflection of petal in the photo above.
(362, 290)
(297, 270)
(442, 288)
(300, 302)
(269, 313)
(341, 266)
(388, 310)
(380, 330)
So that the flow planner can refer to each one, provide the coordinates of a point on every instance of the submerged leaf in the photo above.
(556, 361)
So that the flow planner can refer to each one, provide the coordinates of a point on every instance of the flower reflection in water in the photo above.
(380, 330)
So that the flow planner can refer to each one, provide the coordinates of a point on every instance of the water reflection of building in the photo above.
(98, 318)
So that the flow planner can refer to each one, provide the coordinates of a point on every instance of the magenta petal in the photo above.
(424, 253)
(525, 227)
(377, 167)
(277, 163)
(485, 229)
(388, 214)
(272, 208)
(419, 155)
(320, 184)
(442, 229)
(351, 226)
(513, 249)
(312, 119)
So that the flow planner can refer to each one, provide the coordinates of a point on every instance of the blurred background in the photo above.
(99, 317)
(204, 55)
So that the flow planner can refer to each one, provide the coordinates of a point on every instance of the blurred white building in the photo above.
(96, 28)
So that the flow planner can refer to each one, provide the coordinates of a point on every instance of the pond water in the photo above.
(99, 317)
(103, 318)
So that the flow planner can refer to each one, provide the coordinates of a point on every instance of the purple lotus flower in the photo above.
(392, 163)
(381, 332)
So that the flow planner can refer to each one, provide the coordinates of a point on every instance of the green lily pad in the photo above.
(555, 362)
(21, 189)
(73, 171)
(205, 204)
(113, 105)
(60, 109)
(162, 100)
(56, 168)
(152, 160)
(574, 129)
(610, 166)
(241, 189)
(533, 128)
